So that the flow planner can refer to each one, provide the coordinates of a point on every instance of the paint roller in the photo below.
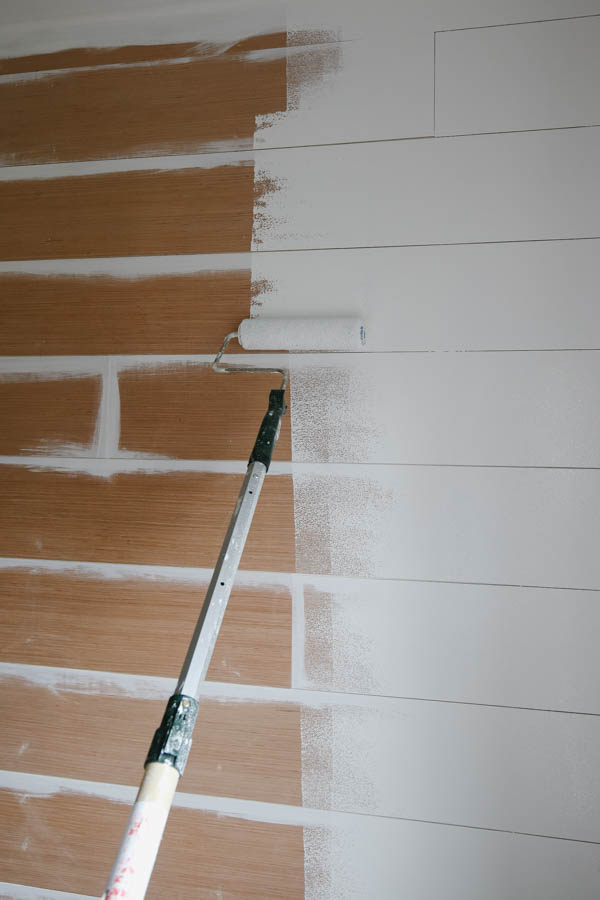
(172, 741)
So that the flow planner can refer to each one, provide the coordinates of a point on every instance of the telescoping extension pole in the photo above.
(172, 741)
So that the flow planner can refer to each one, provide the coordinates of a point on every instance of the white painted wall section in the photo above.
(468, 643)
(535, 527)
(507, 187)
(512, 296)
(538, 75)
(505, 409)
(457, 764)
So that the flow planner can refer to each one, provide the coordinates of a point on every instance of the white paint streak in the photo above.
(26, 28)
(131, 266)
(297, 676)
(9, 891)
(132, 164)
(126, 462)
(117, 571)
(108, 424)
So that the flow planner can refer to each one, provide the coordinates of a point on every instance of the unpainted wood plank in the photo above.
(69, 842)
(113, 112)
(175, 518)
(191, 412)
(78, 57)
(240, 749)
(140, 625)
(128, 213)
(98, 314)
(52, 415)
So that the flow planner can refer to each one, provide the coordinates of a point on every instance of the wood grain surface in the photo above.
(191, 412)
(140, 625)
(39, 415)
(137, 53)
(177, 106)
(241, 749)
(175, 518)
(78, 314)
(131, 213)
(69, 841)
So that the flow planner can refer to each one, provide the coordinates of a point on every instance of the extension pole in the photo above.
(172, 741)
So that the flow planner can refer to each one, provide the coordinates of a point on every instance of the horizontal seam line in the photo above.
(516, 24)
(33, 561)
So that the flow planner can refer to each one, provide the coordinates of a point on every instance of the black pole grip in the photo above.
(269, 430)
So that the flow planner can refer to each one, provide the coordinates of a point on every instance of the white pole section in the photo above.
(141, 841)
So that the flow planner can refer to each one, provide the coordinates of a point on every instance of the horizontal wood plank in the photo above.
(497, 187)
(513, 409)
(53, 416)
(469, 643)
(536, 75)
(134, 53)
(516, 526)
(249, 750)
(96, 314)
(69, 842)
(146, 110)
(132, 213)
(171, 518)
(534, 295)
(190, 412)
(140, 625)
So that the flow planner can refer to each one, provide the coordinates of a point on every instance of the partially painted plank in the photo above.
(248, 750)
(520, 409)
(70, 619)
(69, 842)
(511, 296)
(511, 646)
(113, 111)
(192, 412)
(84, 57)
(125, 213)
(45, 314)
(507, 187)
(539, 75)
(173, 518)
(489, 525)
(41, 415)
(362, 856)
(475, 766)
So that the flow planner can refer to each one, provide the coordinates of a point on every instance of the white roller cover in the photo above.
(302, 334)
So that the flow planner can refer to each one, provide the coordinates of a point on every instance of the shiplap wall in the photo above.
(423, 713)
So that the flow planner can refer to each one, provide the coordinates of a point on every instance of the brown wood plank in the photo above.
(241, 749)
(73, 314)
(134, 53)
(68, 620)
(136, 213)
(47, 415)
(190, 412)
(175, 518)
(68, 842)
(146, 110)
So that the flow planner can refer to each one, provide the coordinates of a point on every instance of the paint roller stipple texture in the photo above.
(171, 743)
